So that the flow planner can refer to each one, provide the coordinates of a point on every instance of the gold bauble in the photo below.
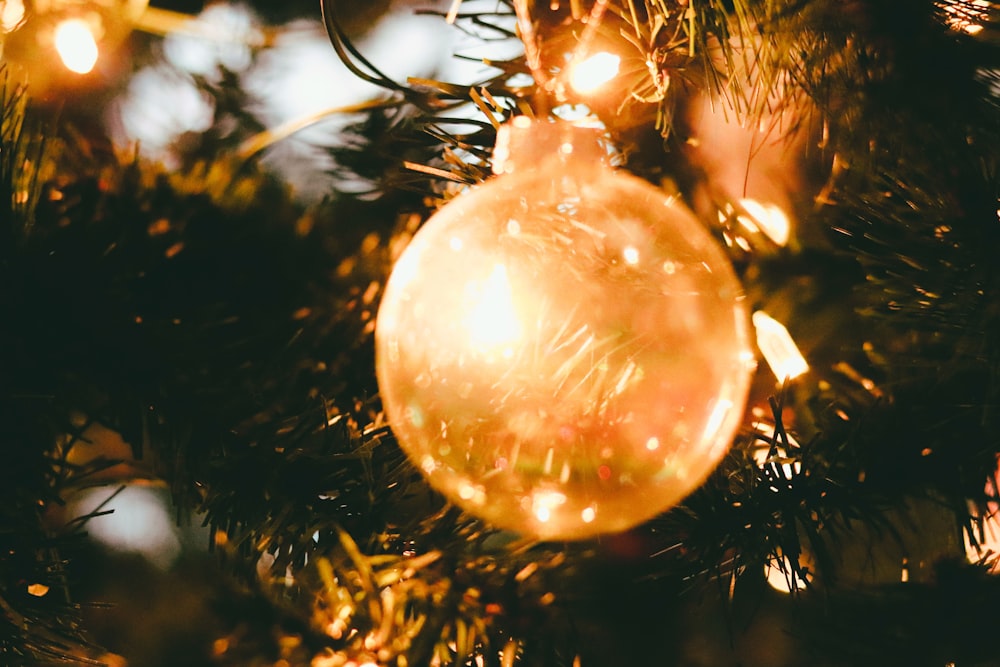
(563, 350)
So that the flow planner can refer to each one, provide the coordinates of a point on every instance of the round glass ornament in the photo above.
(563, 351)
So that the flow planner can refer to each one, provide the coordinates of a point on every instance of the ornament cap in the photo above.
(525, 144)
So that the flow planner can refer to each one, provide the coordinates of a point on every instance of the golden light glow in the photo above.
(593, 72)
(966, 15)
(783, 578)
(766, 218)
(76, 45)
(779, 350)
(987, 546)
(492, 321)
(543, 502)
(11, 14)
(38, 590)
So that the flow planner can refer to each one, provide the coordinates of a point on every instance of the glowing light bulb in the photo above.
(779, 350)
(591, 73)
(11, 14)
(769, 219)
(76, 45)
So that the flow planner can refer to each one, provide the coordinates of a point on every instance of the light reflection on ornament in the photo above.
(544, 502)
(75, 43)
(538, 360)
(492, 321)
(779, 350)
(594, 71)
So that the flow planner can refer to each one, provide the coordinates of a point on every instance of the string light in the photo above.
(766, 218)
(76, 45)
(779, 350)
(594, 71)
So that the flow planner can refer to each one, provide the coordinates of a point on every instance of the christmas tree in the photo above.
(751, 419)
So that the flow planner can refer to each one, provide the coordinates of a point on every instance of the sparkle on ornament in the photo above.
(593, 72)
(543, 502)
(76, 45)
(779, 350)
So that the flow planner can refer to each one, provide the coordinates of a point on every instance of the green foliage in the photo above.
(225, 333)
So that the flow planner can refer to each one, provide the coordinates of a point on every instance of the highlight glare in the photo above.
(784, 578)
(76, 45)
(492, 320)
(11, 14)
(766, 218)
(591, 73)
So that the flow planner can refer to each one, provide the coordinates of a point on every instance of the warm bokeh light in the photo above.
(223, 35)
(779, 350)
(133, 519)
(76, 45)
(38, 590)
(966, 15)
(594, 71)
